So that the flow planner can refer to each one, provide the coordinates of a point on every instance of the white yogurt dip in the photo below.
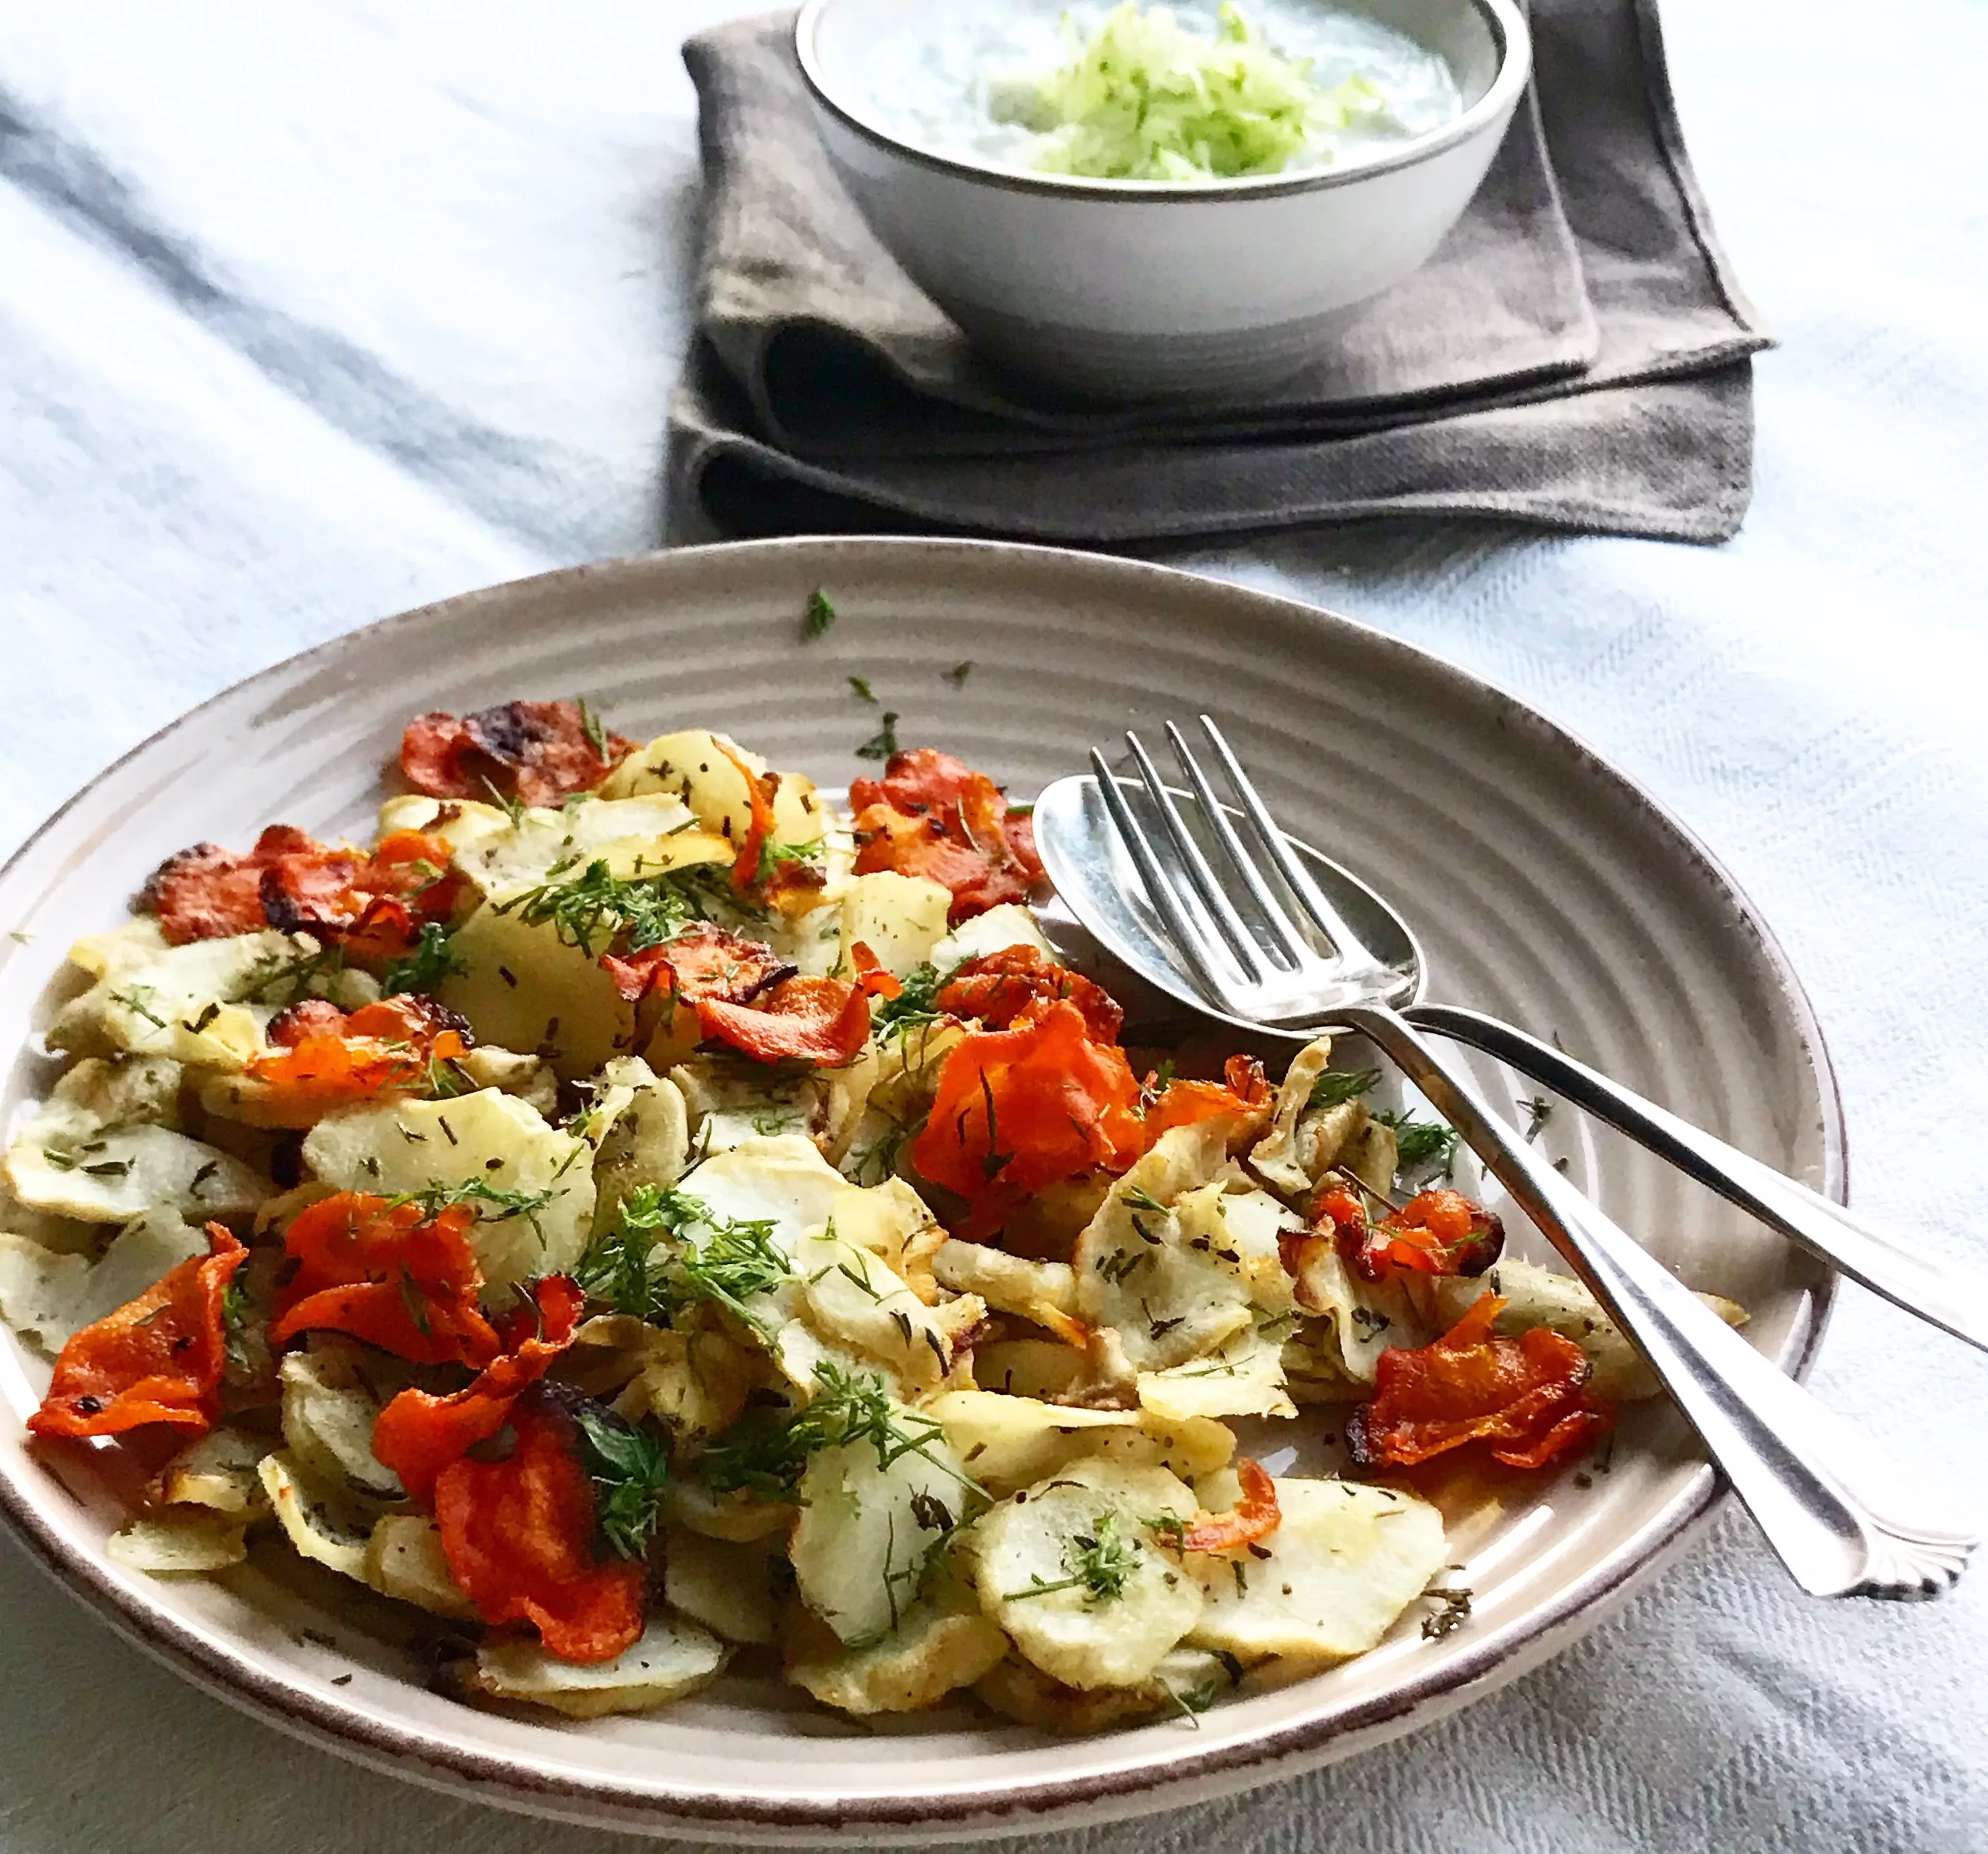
(940, 85)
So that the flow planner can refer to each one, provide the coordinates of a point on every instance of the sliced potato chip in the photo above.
(1345, 1560)
(901, 919)
(1029, 1368)
(1072, 1571)
(219, 1472)
(404, 1559)
(672, 1659)
(54, 1296)
(938, 1646)
(120, 1173)
(727, 1585)
(177, 1540)
(320, 1527)
(862, 1543)
(1245, 1378)
(487, 1138)
(522, 987)
(1185, 1681)
(1043, 1292)
(329, 1411)
(994, 931)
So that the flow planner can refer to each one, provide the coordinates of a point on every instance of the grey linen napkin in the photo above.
(1575, 355)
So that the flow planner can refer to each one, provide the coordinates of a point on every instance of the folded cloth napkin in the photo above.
(1574, 355)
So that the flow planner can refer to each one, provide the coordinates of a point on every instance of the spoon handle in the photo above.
(1845, 1520)
(1942, 1292)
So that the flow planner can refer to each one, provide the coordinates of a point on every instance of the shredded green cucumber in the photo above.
(1146, 99)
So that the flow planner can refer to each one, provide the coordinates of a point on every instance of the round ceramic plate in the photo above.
(1544, 885)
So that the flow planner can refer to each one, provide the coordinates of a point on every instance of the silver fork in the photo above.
(1844, 1520)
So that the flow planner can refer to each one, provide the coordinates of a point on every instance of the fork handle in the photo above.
(1845, 1520)
(1942, 1292)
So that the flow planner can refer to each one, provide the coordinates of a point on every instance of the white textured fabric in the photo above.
(307, 314)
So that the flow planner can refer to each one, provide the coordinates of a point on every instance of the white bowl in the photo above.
(1131, 289)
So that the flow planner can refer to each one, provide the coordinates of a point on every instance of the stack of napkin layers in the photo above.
(1574, 355)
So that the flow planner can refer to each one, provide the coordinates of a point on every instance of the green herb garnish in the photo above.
(1420, 1145)
(723, 1260)
(1100, 1562)
(882, 744)
(631, 1471)
(861, 685)
(431, 959)
(820, 613)
(589, 911)
(1335, 1086)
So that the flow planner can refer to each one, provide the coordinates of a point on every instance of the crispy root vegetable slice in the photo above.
(156, 1359)
(208, 893)
(877, 982)
(1254, 1514)
(374, 903)
(705, 962)
(1017, 984)
(1243, 1092)
(1439, 1232)
(823, 1021)
(519, 1536)
(324, 1059)
(759, 790)
(419, 1435)
(1019, 1109)
(378, 1271)
(1528, 1398)
(930, 816)
(540, 753)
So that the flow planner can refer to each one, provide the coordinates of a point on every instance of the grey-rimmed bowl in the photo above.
(1140, 290)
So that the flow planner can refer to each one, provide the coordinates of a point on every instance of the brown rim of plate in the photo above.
(1506, 23)
(399, 1750)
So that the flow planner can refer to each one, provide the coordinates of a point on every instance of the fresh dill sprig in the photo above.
(957, 676)
(589, 911)
(494, 1203)
(1100, 1562)
(916, 1003)
(1538, 1111)
(295, 975)
(431, 959)
(820, 615)
(630, 1472)
(1335, 1086)
(134, 1000)
(719, 1259)
(766, 1457)
(234, 1314)
(882, 744)
(590, 726)
(861, 685)
(1420, 1145)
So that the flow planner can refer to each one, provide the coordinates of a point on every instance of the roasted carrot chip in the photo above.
(208, 893)
(1242, 1092)
(1525, 1398)
(419, 1434)
(759, 788)
(519, 1536)
(870, 975)
(382, 1273)
(324, 1059)
(156, 1359)
(823, 1021)
(704, 961)
(930, 816)
(1255, 1514)
(1001, 988)
(539, 753)
(1019, 1109)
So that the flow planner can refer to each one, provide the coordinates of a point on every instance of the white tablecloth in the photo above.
(308, 314)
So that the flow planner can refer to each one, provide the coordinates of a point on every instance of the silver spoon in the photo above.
(1136, 874)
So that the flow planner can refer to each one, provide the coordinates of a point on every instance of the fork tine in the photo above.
(1221, 909)
(1282, 928)
(1184, 931)
(1346, 942)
